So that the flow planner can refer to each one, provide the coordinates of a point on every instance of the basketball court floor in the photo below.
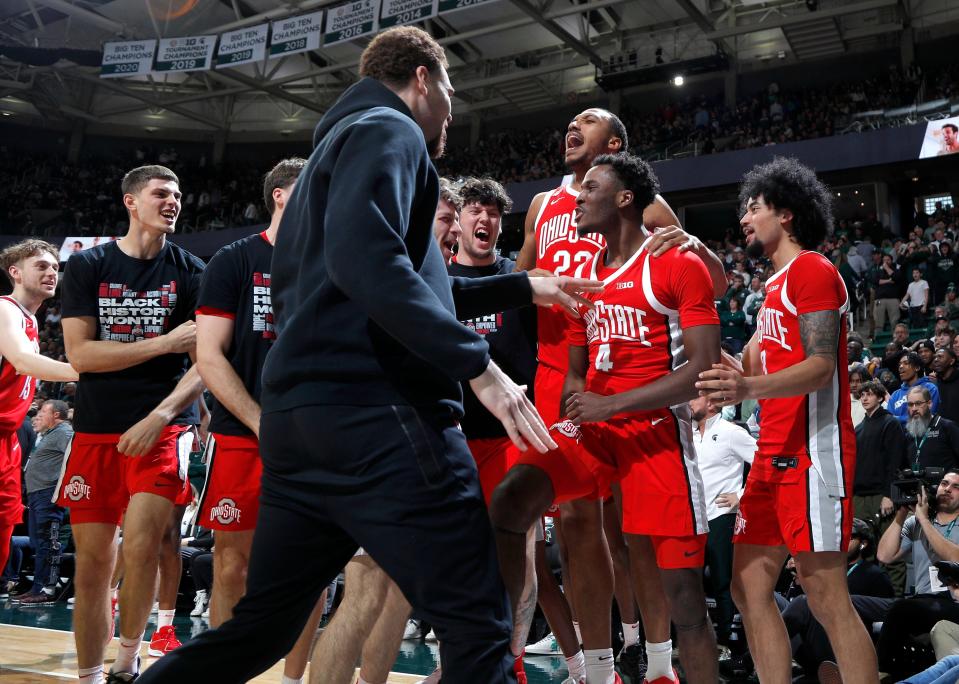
(36, 647)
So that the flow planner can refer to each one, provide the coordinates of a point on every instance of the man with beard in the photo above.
(361, 395)
(912, 374)
(944, 363)
(933, 440)
(798, 499)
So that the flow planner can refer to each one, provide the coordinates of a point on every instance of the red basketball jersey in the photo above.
(561, 250)
(634, 333)
(819, 424)
(16, 391)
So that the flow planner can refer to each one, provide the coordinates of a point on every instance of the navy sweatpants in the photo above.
(393, 479)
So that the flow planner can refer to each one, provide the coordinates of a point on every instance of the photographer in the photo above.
(912, 373)
(933, 441)
(929, 537)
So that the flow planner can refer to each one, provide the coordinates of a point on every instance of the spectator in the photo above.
(886, 282)
(736, 290)
(951, 302)
(858, 375)
(944, 363)
(934, 440)
(855, 351)
(912, 374)
(45, 517)
(733, 325)
(942, 270)
(916, 300)
(753, 302)
(900, 335)
(926, 350)
(880, 451)
(721, 449)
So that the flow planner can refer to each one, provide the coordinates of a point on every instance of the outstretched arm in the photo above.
(17, 350)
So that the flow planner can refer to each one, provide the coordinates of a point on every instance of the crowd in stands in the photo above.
(45, 195)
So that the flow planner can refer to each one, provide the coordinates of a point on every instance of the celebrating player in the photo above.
(798, 499)
(638, 353)
(31, 266)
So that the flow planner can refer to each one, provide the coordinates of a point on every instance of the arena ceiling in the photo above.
(506, 56)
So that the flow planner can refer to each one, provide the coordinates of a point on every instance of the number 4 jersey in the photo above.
(562, 251)
(635, 332)
(16, 391)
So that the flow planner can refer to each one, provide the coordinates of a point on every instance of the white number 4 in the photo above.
(603, 361)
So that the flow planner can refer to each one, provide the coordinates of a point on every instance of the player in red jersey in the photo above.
(798, 498)
(553, 244)
(127, 323)
(234, 333)
(31, 266)
(637, 353)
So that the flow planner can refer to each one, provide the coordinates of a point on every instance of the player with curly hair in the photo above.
(798, 500)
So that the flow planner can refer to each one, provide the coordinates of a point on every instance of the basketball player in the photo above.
(234, 333)
(553, 244)
(31, 266)
(128, 330)
(361, 388)
(636, 354)
(798, 499)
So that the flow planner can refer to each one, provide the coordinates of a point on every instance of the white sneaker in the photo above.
(199, 603)
(206, 612)
(431, 637)
(412, 630)
(546, 646)
(433, 678)
(71, 600)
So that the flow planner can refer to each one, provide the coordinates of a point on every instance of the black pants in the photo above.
(400, 483)
(910, 617)
(814, 647)
(201, 567)
(719, 558)
(44, 523)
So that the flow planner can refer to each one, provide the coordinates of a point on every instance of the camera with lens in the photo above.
(905, 490)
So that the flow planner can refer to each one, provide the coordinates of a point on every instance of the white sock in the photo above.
(599, 666)
(576, 666)
(659, 659)
(630, 634)
(579, 636)
(290, 680)
(127, 654)
(165, 618)
(91, 675)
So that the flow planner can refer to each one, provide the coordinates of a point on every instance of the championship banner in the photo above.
(349, 21)
(129, 58)
(296, 34)
(397, 12)
(242, 46)
(185, 54)
(452, 5)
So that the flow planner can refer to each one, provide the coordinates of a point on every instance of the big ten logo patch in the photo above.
(263, 306)
(484, 325)
(76, 489)
(130, 315)
(225, 512)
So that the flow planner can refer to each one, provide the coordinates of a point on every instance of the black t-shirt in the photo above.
(131, 300)
(237, 282)
(511, 336)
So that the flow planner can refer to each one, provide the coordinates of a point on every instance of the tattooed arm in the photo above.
(819, 332)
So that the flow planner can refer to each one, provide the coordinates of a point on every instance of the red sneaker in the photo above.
(665, 680)
(164, 640)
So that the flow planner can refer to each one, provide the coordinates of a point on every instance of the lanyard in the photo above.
(855, 565)
(919, 443)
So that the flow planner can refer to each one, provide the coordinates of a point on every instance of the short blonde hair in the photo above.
(25, 249)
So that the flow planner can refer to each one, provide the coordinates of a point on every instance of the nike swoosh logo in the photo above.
(604, 658)
(690, 554)
(656, 421)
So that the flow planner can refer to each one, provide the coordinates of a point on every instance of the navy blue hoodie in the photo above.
(363, 305)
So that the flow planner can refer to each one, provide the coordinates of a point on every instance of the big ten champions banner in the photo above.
(127, 58)
(296, 34)
(242, 46)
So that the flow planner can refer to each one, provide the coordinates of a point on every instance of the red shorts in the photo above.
(662, 491)
(795, 511)
(493, 456)
(97, 481)
(548, 391)
(231, 493)
(186, 445)
(11, 499)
